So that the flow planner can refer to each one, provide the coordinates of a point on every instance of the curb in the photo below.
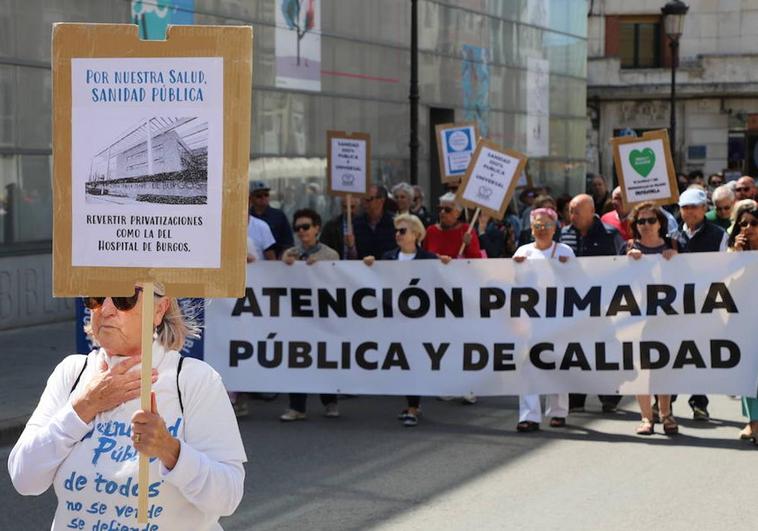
(10, 430)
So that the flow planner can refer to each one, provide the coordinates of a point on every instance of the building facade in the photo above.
(629, 82)
(515, 67)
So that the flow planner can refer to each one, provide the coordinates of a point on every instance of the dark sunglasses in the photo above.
(123, 304)
(649, 221)
(445, 209)
(741, 189)
(370, 198)
(723, 208)
(260, 195)
(749, 223)
(304, 226)
(401, 231)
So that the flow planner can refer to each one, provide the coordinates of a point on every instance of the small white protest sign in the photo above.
(348, 162)
(457, 143)
(645, 168)
(491, 178)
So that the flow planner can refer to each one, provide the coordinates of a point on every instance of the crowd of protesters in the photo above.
(711, 216)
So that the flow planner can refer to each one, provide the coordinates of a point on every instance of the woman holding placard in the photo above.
(409, 233)
(85, 435)
(744, 237)
(543, 223)
(649, 230)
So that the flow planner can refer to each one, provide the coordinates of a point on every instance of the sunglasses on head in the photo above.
(648, 221)
(304, 226)
(123, 304)
(401, 231)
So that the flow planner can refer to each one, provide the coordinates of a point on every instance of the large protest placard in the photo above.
(491, 178)
(645, 168)
(348, 163)
(455, 146)
(493, 327)
(150, 154)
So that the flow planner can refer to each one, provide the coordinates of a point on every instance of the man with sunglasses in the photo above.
(697, 235)
(277, 221)
(723, 203)
(373, 231)
(745, 188)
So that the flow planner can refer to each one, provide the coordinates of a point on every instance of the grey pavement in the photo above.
(29, 355)
(465, 467)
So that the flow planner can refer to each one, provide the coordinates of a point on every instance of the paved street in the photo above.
(465, 467)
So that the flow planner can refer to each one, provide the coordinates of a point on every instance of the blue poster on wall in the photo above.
(154, 16)
(475, 78)
(193, 347)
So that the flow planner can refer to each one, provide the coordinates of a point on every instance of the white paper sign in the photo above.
(458, 144)
(147, 159)
(645, 171)
(491, 178)
(348, 165)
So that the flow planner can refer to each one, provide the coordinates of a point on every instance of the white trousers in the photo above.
(529, 407)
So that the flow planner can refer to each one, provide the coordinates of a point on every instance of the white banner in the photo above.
(492, 327)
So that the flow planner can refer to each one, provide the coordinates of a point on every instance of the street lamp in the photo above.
(673, 22)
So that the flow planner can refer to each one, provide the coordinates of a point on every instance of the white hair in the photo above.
(449, 198)
(405, 188)
(723, 192)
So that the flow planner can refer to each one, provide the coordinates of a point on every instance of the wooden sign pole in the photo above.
(148, 310)
(474, 219)
(349, 199)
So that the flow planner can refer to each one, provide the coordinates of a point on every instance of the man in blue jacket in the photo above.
(276, 219)
(588, 236)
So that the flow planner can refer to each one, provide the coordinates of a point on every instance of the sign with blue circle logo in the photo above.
(456, 145)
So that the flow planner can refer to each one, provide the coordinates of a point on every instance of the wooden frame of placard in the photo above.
(347, 136)
(497, 214)
(438, 129)
(113, 41)
(663, 136)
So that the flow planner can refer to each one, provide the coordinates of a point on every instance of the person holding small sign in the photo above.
(744, 237)
(446, 237)
(544, 223)
(307, 225)
(650, 236)
(409, 233)
(87, 431)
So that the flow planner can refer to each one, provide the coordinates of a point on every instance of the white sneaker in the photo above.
(291, 415)
(470, 399)
(332, 411)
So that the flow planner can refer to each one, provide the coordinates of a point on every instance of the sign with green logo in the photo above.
(643, 161)
(645, 169)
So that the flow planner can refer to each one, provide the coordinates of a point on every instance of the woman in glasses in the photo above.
(744, 237)
(88, 429)
(409, 233)
(649, 231)
(307, 225)
(543, 223)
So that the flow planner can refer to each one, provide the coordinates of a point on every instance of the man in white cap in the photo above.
(698, 235)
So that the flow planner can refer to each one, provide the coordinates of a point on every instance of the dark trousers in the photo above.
(578, 400)
(413, 401)
(700, 401)
(298, 400)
